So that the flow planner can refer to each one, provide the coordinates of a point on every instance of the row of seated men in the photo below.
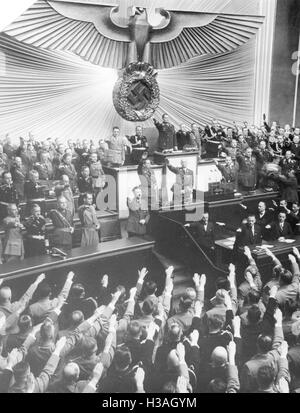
(278, 222)
(243, 339)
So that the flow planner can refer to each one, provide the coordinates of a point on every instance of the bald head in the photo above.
(71, 372)
(5, 295)
(219, 357)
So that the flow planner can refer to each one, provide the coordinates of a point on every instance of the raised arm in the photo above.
(233, 383)
(248, 254)
(233, 290)
(63, 295)
(272, 256)
(24, 300)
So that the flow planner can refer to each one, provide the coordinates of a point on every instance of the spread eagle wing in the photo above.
(88, 30)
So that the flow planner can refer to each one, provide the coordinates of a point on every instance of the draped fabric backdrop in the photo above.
(57, 94)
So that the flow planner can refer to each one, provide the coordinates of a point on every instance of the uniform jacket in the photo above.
(137, 212)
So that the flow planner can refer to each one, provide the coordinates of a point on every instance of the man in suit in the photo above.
(281, 228)
(250, 233)
(167, 135)
(184, 184)
(205, 233)
(294, 218)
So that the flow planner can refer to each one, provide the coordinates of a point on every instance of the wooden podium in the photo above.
(168, 177)
(122, 181)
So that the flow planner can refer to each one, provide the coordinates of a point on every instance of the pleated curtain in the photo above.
(59, 95)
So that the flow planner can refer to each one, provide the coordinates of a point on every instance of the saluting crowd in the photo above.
(244, 339)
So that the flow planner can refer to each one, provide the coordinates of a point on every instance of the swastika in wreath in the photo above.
(139, 95)
(136, 93)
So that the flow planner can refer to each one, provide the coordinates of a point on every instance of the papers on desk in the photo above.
(265, 246)
(229, 242)
(288, 241)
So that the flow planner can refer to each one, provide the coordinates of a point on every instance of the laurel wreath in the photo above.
(136, 72)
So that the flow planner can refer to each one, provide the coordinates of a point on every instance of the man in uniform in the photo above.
(247, 170)
(8, 194)
(19, 173)
(13, 247)
(97, 173)
(138, 214)
(183, 187)
(62, 220)
(44, 167)
(229, 172)
(67, 168)
(85, 184)
(89, 222)
(34, 192)
(167, 135)
(148, 183)
(64, 189)
(4, 161)
(139, 145)
(36, 233)
(116, 148)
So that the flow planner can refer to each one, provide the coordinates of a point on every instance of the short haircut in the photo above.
(222, 283)
(34, 206)
(24, 323)
(122, 358)
(46, 331)
(286, 277)
(264, 343)
(215, 323)
(88, 344)
(84, 167)
(265, 376)
(116, 127)
(77, 291)
(43, 290)
(134, 329)
(254, 314)
(87, 194)
(169, 387)
(174, 333)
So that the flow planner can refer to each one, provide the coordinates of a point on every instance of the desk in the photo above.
(279, 249)
(77, 257)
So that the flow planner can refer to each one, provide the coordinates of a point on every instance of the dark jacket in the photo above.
(247, 237)
(277, 232)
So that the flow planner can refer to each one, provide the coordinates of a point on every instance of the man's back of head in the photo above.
(47, 332)
(5, 295)
(264, 343)
(71, 373)
(25, 323)
(265, 377)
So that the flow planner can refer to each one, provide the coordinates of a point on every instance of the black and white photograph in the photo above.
(149, 199)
